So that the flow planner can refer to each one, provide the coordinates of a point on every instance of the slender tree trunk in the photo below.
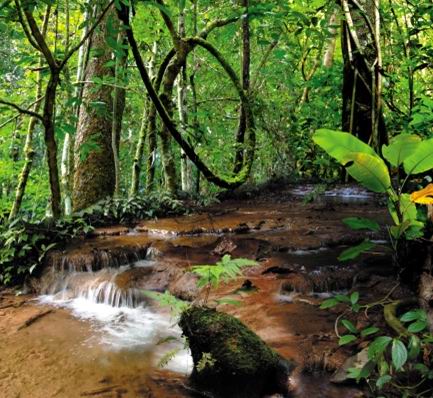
(246, 63)
(144, 129)
(168, 161)
(29, 152)
(182, 88)
(119, 95)
(331, 42)
(94, 177)
(51, 144)
(362, 111)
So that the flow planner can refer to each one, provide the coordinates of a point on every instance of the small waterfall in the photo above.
(97, 287)
(119, 310)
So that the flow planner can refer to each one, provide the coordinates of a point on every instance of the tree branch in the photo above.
(21, 110)
(216, 24)
(87, 35)
(40, 40)
(169, 24)
(25, 27)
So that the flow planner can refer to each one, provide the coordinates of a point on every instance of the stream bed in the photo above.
(100, 336)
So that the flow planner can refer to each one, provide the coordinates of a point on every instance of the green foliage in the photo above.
(166, 299)
(394, 364)
(355, 251)
(24, 245)
(225, 270)
(128, 210)
(368, 168)
(360, 223)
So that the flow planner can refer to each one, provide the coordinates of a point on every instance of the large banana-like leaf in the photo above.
(338, 144)
(424, 196)
(400, 148)
(370, 171)
(421, 160)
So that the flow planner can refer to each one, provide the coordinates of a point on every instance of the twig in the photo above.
(33, 319)
(21, 110)
(98, 391)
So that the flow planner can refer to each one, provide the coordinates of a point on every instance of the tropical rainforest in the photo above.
(287, 145)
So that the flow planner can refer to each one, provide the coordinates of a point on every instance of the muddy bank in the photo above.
(295, 243)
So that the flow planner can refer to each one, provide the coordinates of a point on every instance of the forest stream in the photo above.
(91, 332)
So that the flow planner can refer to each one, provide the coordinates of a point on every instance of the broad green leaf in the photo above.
(349, 326)
(359, 223)
(414, 315)
(329, 303)
(368, 170)
(347, 339)
(338, 144)
(421, 160)
(369, 331)
(417, 326)
(381, 381)
(355, 251)
(400, 148)
(378, 346)
(398, 354)
(354, 298)
(414, 347)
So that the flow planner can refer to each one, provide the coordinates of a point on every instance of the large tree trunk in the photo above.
(362, 110)
(94, 177)
(67, 163)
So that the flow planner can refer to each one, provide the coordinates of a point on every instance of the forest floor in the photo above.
(46, 351)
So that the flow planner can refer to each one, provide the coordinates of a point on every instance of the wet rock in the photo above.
(226, 246)
(161, 277)
(185, 287)
(332, 278)
(299, 283)
(133, 277)
(230, 360)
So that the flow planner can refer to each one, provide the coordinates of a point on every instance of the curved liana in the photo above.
(250, 142)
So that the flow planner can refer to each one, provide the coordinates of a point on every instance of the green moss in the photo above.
(244, 365)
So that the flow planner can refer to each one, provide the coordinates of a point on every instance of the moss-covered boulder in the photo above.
(229, 359)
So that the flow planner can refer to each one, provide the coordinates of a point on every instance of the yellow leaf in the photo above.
(424, 196)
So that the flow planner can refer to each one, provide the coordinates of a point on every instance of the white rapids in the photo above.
(121, 319)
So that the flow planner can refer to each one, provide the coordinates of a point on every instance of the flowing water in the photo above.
(108, 334)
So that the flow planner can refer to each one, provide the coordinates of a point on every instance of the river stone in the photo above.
(185, 287)
(240, 364)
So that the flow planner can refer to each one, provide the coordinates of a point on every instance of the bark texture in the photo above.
(94, 177)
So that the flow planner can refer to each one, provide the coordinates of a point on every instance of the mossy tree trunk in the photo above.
(94, 177)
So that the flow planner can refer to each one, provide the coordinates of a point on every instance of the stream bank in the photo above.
(100, 338)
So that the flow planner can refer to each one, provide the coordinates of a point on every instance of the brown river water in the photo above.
(90, 332)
